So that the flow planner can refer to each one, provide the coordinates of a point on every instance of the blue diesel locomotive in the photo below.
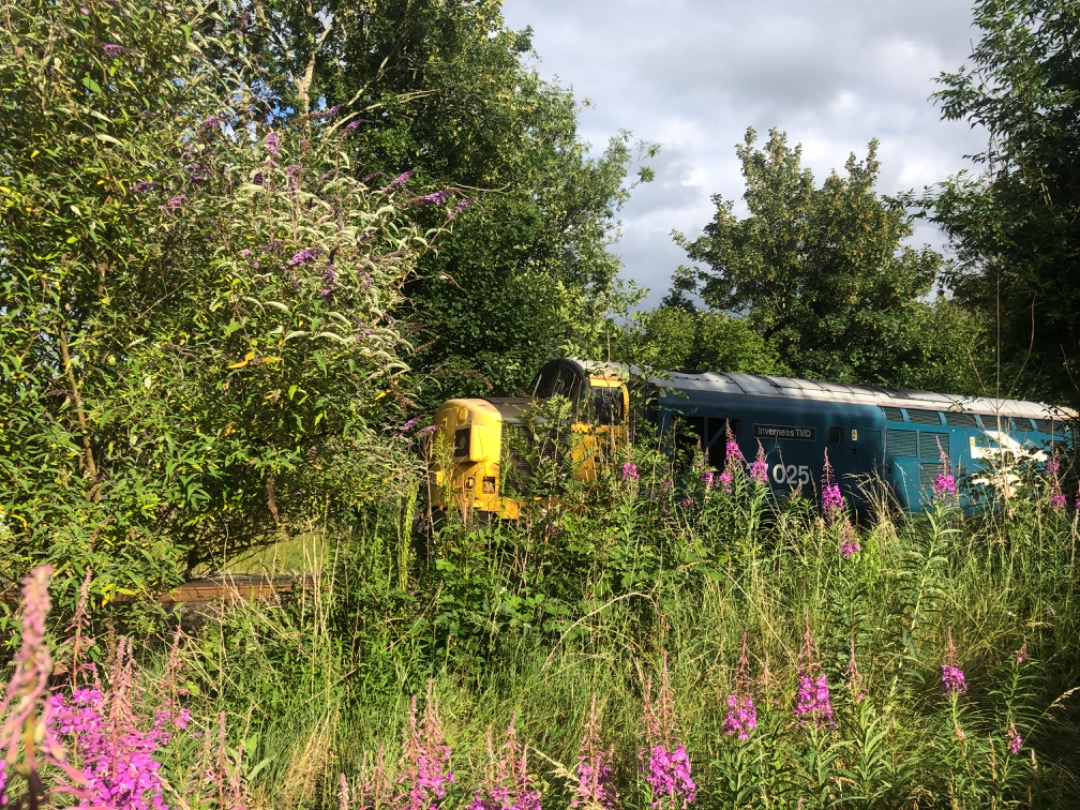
(869, 433)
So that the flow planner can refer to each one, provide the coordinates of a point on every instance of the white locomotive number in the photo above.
(791, 474)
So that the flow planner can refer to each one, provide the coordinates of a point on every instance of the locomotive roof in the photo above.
(791, 388)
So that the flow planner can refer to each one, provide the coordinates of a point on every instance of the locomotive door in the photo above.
(868, 450)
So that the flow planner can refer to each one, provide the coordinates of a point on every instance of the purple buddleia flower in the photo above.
(112, 51)
(435, 197)
(305, 256)
(330, 277)
(292, 174)
(143, 186)
(271, 144)
(352, 126)
(399, 181)
(457, 209)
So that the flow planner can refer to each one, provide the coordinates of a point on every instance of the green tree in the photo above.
(674, 338)
(441, 88)
(1016, 226)
(196, 333)
(820, 273)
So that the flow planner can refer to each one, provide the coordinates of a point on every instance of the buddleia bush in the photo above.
(197, 340)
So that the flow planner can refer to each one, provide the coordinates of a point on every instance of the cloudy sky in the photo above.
(692, 75)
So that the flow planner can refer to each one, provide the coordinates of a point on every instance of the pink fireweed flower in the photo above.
(1057, 495)
(708, 477)
(945, 482)
(952, 677)
(509, 787)
(1022, 653)
(855, 680)
(849, 541)
(595, 788)
(832, 501)
(741, 716)
(727, 478)
(812, 702)
(759, 470)
(665, 762)
(425, 759)
(629, 471)
(952, 680)
(1014, 738)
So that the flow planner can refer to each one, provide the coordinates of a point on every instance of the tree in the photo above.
(674, 338)
(196, 334)
(820, 273)
(1016, 226)
(440, 88)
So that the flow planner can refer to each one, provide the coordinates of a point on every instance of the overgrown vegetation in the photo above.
(917, 662)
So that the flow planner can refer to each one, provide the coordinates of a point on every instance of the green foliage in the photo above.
(196, 329)
(820, 273)
(675, 338)
(1015, 225)
(443, 88)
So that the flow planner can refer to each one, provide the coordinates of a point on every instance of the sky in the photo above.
(693, 75)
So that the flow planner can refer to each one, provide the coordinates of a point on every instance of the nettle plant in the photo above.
(197, 332)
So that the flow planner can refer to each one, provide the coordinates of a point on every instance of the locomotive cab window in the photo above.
(836, 435)
(608, 406)
(461, 442)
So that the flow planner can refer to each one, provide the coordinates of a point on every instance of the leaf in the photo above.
(91, 85)
(241, 363)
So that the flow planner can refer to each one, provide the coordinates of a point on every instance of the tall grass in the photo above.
(577, 604)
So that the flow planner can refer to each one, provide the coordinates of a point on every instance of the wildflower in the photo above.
(732, 453)
(1022, 653)
(759, 470)
(305, 256)
(352, 126)
(855, 681)
(741, 717)
(629, 471)
(436, 197)
(952, 677)
(213, 122)
(668, 767)
(271, 145)
(510, 787)
(245, 253)
(707, 477)
(945, 482)
(1015, 740)
(832, 502)
(173, 203)
(426, 759)
(399, 181)
(594, 786)
(329, 276)
(457, 209)
(259, 178)
(812, 702)
(112, 51)
(849, 541)
(84, 11)
(142, 186)
(687, 503)
(726, 480)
